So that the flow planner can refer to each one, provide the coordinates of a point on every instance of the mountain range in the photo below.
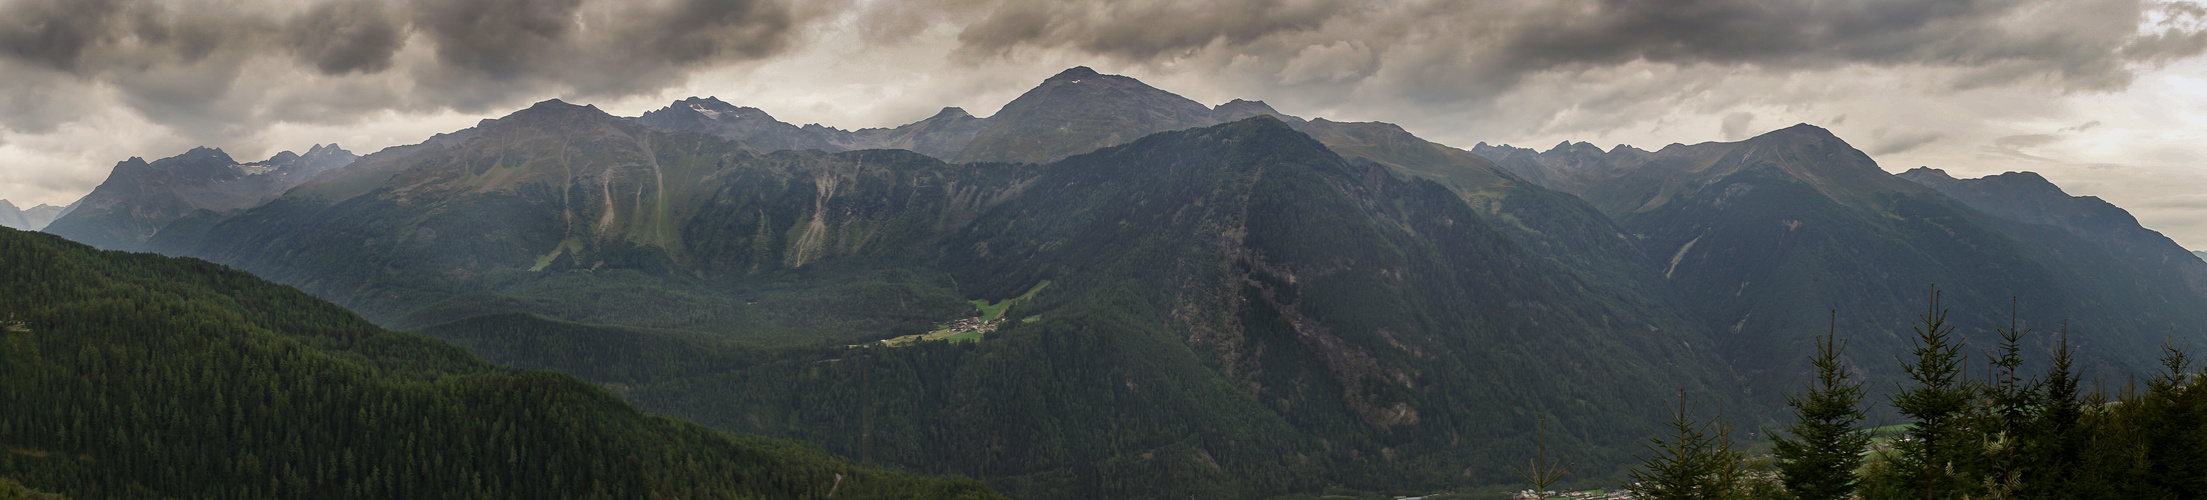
(1202, 300)
(31, 219)
(140, 198)
(1770, 239)
(1242, 291)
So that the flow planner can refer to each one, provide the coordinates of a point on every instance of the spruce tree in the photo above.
(1818, 456)
(2055, 451)
(2012, 405)
(2175, 417)
(1934, 456)
(1541, 472)
(1691, 460)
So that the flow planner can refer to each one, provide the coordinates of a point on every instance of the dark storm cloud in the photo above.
(54, 33)
(209, 69)
(1144, 29)
(502, 38)
(1450, 49)
(347, 36)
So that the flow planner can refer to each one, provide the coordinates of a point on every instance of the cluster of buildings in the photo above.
(1576, 495)
(974, 325)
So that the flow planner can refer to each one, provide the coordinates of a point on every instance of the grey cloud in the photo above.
(347, 36)
(2026, 140)
(211, 69)
(1143, 30)
(1885, 144)
(501, 38)
(2081, 127)
(2011, 147)
(2190, 201)
(55, 33)
(1475, 50)
(1735, 126)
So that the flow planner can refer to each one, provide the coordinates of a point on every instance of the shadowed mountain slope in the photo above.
(139, 376)
(667, 230)
(1080, 110)
(140, 198)
(2026, 197)
(1236, 307)
(1762, 238)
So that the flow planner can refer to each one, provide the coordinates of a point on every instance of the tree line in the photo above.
(2007, 433)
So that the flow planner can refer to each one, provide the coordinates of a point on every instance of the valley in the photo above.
(1109, 290)
(971, 329)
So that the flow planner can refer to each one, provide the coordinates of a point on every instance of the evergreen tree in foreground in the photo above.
(2174, 414)
(2056, 452)
(1541, 472)
(2012, 405)
(1692, 460)
(1819, 453)
(1935, 456)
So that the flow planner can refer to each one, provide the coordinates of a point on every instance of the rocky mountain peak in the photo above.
(1801, 133)
(950, 112)
(1075, 73)
(205, 153)
(327, 149)
(1078, 111)
(1926, 174)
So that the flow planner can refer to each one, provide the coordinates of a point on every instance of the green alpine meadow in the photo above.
(1048, 249)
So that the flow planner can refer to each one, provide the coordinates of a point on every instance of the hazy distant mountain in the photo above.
(1224, 298)
(31, 219)
(1764, 238)
(2202, 255)
(139, 198)
(2030, 198)
(940, 136)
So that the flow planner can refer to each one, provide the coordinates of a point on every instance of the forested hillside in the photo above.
(139, 376)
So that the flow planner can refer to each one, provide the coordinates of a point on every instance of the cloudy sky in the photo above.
(2105, 97)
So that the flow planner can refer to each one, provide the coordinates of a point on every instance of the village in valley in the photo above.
(971, 329)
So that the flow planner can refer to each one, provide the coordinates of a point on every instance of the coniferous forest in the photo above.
(139, 376)
(1978, 424)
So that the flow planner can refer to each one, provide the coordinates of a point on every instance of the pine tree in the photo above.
(1818, 460)
(2054, 453)
(1934, 456)
(2013, 402)
(1692, 460)
(2175, 417)
(1543, 473)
